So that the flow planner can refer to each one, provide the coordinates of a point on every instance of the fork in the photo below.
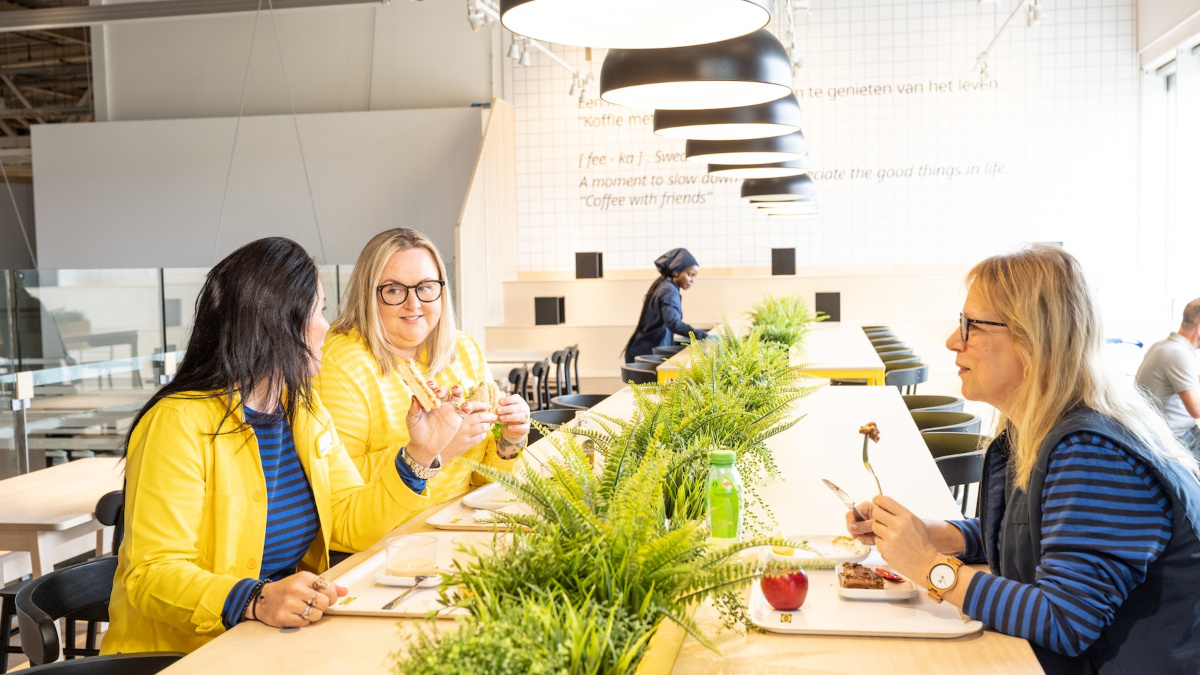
(405, 594)
(867, 463)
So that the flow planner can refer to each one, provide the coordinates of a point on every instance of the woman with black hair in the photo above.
(662, 310)
(236, 481)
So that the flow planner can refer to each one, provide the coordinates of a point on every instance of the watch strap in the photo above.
(422, 472)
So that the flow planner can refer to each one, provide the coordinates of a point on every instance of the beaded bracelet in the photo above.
(252, 600)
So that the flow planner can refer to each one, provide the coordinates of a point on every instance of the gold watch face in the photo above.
(942, 576)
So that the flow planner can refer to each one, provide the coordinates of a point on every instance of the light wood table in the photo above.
(831, 350)
(45, 509)
(825, 444)
(517, 355)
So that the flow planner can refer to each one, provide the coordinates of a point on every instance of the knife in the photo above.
(845, 499)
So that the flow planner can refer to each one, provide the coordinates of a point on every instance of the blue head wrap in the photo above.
(674, 261)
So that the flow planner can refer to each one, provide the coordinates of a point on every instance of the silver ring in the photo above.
(311, 601)
(307, 610)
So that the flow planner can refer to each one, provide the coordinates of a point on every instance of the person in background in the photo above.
(397, 306)
(236, 482)
(662, 309)
(1170, 373)
(1089, 506)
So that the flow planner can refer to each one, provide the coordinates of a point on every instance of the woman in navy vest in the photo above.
(662, 310)
(1089, 506)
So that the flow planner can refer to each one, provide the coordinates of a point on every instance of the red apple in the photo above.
(786, 592)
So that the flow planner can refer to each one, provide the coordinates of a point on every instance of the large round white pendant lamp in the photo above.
(746, 70)
(792, 188)
(634, 24)
(774, 170)
(764, 120)
(749, 151)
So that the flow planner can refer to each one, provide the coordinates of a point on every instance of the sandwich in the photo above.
(487, 392)
(414, 376)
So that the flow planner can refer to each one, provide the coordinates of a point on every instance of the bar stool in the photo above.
(944, 421)
(929, 402)
(553, 418)
(576, 401)
(639, 373)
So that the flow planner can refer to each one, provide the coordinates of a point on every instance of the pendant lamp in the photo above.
(792, 188)
(773, 118)
(749, 151)
(634, 24)
(746, 70)
(773, 170)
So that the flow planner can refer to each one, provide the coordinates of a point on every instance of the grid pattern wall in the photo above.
(915, 160)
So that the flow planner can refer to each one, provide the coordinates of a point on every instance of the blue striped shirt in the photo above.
(1105, 520)
(292, 523)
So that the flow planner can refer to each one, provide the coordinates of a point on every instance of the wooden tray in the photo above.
(367, 598)
(826, 613)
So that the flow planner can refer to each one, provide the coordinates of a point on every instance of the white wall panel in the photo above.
(149, 194)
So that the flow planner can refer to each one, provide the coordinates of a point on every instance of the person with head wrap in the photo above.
(662, 310)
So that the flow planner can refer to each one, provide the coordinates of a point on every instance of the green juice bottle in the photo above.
(723, 496)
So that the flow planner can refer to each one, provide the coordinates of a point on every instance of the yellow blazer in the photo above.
(196, 517)
(370, 410)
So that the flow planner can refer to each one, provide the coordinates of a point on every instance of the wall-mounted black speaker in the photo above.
(549, 311)
(831, 304)
(589, 265)
(783, 261)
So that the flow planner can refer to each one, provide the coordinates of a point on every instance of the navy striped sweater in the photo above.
(291, 510)
(1105, 520)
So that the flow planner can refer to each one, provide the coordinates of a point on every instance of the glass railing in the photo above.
(94, 342)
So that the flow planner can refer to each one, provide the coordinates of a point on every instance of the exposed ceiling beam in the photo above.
(47, 66)
(20, 97)
(71, 17)
(44, 110)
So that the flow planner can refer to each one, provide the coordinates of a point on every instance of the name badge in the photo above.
(325, 444)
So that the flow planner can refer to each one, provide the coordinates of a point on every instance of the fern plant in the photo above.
(785, 320)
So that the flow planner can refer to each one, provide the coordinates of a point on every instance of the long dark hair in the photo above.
(251, 321)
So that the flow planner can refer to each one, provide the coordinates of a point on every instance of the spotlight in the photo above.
(514, 50)
(477, 20)
(525, 60)
(574, 87)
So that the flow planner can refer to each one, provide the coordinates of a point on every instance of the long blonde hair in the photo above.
(1040, 292)
(361, 313)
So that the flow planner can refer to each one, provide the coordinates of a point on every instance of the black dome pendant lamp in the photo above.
(773, 118)
(795, 167)
(749, 151)
(747, 70)
(634, 24)
(790, 189)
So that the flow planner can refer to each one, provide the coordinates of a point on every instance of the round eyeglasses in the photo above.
(964, 325)
(395, 294)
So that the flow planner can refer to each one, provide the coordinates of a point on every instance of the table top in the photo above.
(824, 444)
(59, 497)
(828, 346)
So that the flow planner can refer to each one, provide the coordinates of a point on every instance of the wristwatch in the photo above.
(942, 577)
(422, 472)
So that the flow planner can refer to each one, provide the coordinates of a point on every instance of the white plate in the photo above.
(890, 591)
(826, 613)
(831, 547)
(491, 496)
(459, 516)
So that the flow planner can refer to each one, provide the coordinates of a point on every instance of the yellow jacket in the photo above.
(370, 410)
(196, 517)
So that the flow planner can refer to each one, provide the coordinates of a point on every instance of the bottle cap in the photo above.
(723, 457)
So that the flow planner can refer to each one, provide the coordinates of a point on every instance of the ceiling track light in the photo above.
(774, 170)
(790, 189)
(785, 148)
(773, 118)
(746, 70)
(1035, 15)
(574, 92)
(514, 50)
(525, 60)
(634, 24)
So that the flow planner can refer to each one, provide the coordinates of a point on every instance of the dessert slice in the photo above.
(853, 575)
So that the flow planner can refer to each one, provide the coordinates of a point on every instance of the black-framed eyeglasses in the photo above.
(395, 294)
(964, 325)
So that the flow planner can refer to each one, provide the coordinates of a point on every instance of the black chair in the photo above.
(931, 402)
(147, 663)
(639, 373)
(576, 401)
(885, 343)
(907, 377)
(8, 614)
(869, 329)
(518, 381)
(656, 359)
(551, 417)
(899, 358)
(78, 592)
(540, 396)
(879, 333)
(959, 457)
(562, 377)
(958, 422)
(573, 369)
(893, 351)
(668, 351)
(110, 510)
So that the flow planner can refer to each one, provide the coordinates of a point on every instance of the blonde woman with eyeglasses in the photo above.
(1089, 506)
(397, 306)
